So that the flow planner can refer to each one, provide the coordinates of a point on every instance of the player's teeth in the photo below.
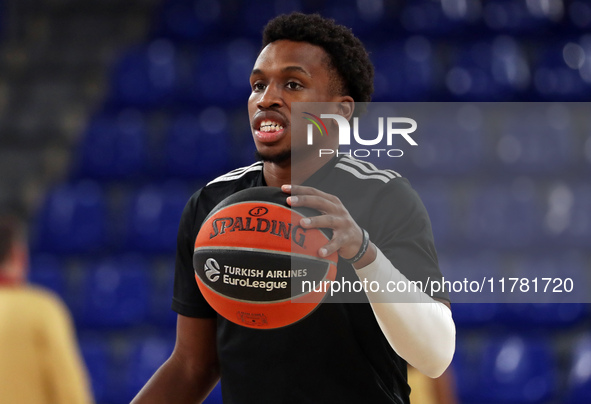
(268, 126)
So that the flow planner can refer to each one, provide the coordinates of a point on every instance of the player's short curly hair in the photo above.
(347, 54)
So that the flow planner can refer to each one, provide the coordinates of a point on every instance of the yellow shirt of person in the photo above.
(40, 361)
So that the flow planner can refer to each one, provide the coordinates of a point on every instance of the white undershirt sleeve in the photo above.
(420, 329)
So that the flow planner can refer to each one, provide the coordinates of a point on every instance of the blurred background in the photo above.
(112, 113)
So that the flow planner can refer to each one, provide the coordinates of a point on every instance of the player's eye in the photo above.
(256, 87)
(292, 85)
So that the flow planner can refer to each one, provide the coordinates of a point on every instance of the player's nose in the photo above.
(272, 97)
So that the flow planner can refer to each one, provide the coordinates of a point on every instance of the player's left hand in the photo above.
(347, 235)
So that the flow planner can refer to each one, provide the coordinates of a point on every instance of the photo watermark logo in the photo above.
(390, 126)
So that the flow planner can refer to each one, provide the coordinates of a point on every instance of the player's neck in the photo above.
(277, 174)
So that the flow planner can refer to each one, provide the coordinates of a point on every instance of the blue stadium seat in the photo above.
(198, 145)
(367, 19)
(463, 366)
(428, 17)
(556, 308)
(244, 152)
(146, 76)
(405, 71)
(220, 74)
(542, 315)
(579, 13)
(516, 370)
(568, 217)
(579, 230)
(474, 315)
(95, 353)
(49, 271)
(488, 71)
(254, 15)
(501, 216)
(72, 220)
(114, 147)
(562, 72)
(535, 141)
(161, 313)
(579, 375)
(147, 354)
(114, 292)
(189, 20)
(152, 218)
(517, 17)
(450, 142)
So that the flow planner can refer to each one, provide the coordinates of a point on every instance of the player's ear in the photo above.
(346, 107)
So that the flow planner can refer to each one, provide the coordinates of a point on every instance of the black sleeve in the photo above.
(187, 299)
(405, 236)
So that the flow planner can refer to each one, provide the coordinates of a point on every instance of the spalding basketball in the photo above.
(256, 266)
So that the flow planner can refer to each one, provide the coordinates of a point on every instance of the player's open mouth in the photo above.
(269, 131)
(270, 126)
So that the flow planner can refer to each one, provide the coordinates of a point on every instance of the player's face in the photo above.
(285, 72)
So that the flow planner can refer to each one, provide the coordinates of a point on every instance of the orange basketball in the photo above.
(256, 266)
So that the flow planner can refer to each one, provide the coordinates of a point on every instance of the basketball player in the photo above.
(341, 353)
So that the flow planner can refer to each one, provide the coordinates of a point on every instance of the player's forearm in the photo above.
(420, 329)
(178, 383)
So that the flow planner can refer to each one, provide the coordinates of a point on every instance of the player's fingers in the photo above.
(305, 190)
(338, 242)
(313, 201)
(329, 248)
(323, 221)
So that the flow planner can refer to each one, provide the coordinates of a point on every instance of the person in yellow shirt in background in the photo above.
(40, 362)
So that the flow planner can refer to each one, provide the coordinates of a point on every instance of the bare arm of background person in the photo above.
(192, 370)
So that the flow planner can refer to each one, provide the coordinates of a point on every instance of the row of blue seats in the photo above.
(128, 144)
(77, 218)
(488, 69)
(491, 69)
(120, 369)
(112, 292)
(505, 368)
(515, 213)
(198, 145)
(84, 217)
(516, 369)
(198, 20)
(122, 291)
